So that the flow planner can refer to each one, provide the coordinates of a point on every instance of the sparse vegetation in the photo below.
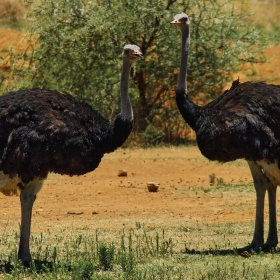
(208, 252)
(212, 179)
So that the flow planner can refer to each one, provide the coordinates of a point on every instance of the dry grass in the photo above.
(12, 11)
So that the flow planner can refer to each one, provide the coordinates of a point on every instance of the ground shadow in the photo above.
(211, 252)
(229, 252)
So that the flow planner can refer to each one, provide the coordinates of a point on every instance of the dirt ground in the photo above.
(102, 195)
(103, 199)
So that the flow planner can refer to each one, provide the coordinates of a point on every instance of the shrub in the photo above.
(78, 44)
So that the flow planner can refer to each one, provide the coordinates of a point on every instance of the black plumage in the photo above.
(243, 123)
(44, 131)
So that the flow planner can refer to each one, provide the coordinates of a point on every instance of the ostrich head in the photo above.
(181, 21)
(132, 53)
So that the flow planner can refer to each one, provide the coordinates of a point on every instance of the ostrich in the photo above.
(43, 131)
(244, 122)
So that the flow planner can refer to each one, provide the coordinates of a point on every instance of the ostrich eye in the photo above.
(185, 19)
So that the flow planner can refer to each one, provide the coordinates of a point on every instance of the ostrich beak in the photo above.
(175, 22)
(137, 53)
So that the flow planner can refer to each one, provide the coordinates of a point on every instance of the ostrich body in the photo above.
(244, 123)
(43, 131)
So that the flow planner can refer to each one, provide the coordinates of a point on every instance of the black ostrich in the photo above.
(43, 131)
(244, 122)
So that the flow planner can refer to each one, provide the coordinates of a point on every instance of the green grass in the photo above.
(196, 251)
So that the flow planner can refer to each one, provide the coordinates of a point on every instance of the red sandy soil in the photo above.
(182, 173)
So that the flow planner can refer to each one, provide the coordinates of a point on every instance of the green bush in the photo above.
(77, 48)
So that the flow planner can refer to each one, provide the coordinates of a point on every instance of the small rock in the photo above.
(39, 210)
(122, 173)
(94, 213)
(152, 186)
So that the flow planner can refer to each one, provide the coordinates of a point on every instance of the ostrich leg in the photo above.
(263, 184)
(27, 198)
(272, 239)
(260, 182)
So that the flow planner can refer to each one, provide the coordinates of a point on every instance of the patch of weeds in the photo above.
(126, 256)
(106, 256)
(212, 178)
(83, 269)
(239, 187)
(220, 181)
(206, 190)
(214, 181)
(138, 225)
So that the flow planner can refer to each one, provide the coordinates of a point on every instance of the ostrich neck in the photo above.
(122, 125)
(189, 111)
(126, 109)
(182, 85)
